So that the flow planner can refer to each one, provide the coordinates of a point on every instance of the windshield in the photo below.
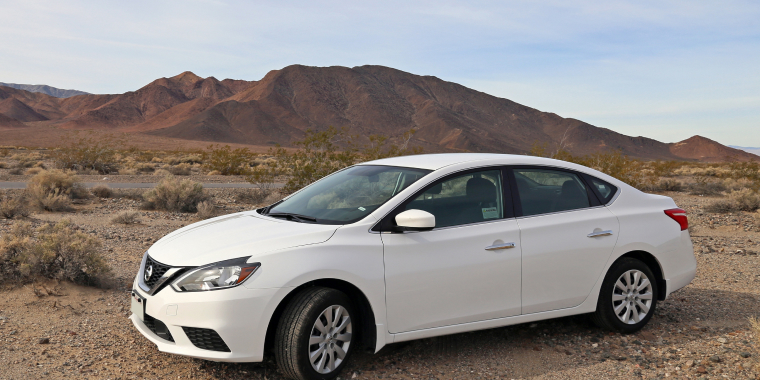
(346, 196)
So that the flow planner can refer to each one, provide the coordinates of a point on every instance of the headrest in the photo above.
(480, 190)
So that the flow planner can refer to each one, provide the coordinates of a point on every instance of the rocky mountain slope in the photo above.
(280, 107)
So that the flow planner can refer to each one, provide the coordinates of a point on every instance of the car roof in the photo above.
(437, 161)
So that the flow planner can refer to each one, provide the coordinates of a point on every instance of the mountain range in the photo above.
(45, 89)
(366, 100)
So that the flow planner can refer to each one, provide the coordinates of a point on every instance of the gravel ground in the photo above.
(58, 330)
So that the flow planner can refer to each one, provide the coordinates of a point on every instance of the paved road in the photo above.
(140, 185)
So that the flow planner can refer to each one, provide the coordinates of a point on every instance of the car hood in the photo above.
(235, 235)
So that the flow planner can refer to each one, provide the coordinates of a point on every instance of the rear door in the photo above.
(567, 237)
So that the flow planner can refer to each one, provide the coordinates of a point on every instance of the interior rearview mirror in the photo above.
(415, 220)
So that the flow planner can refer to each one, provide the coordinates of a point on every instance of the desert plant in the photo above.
(33, 171)
(670, 185)
(57, 251)
(705, 186)
(89, 153)
(13, 206)
(144, 167)
(227, 161)
(206, 210)
(180, 169)
(102, 191)
(737, 200)
(126, 217)
(52, 190)
(172, 194)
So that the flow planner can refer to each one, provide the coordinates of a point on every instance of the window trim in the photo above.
(386, 222)
(588, 178)
(517, 205)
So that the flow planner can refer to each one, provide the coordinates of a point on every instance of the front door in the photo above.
(467, 269)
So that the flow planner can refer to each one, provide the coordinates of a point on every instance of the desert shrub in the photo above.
(705, 186)
(186, 159)
(12, 206)
(162, 173)
(143, 167)
(172, 194)
(57, 251)
(126, 217)
(670, 185)
(33, 171)
(89, 153)
(180, 169)
(227, 161)
(102, 191)
(16, 171)
(206, 210)
(737, 200)
(52, 190)
(664, 168)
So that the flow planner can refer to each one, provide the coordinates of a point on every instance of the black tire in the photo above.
(605, 316)
(295, 329)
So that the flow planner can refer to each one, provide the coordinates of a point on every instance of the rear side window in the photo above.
(604, 190)
(544, 191)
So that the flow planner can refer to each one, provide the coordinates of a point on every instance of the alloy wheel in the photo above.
(330, 339)
(632, 297)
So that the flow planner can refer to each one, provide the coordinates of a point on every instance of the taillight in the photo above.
(679, 216)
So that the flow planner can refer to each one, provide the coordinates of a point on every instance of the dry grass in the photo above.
(57, 251)
(126, 217)
(737, 200)
(206, 210)
(53, 190)
(172, 194)
(13, 206)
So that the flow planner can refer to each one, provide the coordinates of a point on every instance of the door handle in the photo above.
(600, 233)
(500, 246)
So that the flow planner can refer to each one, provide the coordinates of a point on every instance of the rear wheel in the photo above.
(628, 297)
(315, 335)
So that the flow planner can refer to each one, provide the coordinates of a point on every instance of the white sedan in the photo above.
(407, 248)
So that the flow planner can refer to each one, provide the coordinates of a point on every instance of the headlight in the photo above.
(221, 275)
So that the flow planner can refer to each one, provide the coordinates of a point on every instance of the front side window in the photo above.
(543, 191)
(347, 196)
(463, 199)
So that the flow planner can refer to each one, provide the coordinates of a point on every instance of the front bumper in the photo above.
(239, 315)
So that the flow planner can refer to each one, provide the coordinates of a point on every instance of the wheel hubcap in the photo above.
(632, 297)
(330, 339)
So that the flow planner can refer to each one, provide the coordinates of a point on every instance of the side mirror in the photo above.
(415, 220)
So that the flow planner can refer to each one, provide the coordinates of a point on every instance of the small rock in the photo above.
(715, 359)
(44, 341)
(745, 354)
(701, 369)
(689, 364)
(722, 340)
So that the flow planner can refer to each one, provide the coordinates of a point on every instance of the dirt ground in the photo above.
(62, 331)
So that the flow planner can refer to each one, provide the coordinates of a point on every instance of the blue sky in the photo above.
(661, 69)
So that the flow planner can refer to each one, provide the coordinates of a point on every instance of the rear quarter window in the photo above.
(604, 190)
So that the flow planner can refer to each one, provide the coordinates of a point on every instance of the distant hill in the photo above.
(280, 107)
(753, 150)
(45, 89)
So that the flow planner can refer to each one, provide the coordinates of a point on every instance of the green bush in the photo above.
(227, 161)
(172, 194)
(82, 153)
(57, 251)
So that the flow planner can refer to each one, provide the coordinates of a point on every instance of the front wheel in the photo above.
(628, 297)
(314, 337)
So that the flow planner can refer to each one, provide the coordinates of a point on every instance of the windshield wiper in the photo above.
(295, 217)
(265, 210)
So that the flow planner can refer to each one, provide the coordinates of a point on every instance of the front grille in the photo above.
(158, 270)
(206, 339)
(158, 328)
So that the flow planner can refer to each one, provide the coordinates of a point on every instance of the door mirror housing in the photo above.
(415, 220)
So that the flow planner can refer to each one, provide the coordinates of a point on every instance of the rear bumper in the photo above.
(680, 265)
(239, 315)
